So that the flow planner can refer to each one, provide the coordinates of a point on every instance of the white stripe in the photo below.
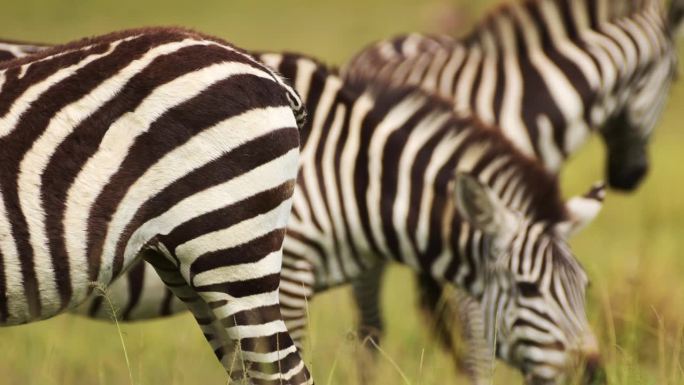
(332, 189)
(511, 104)
(241, 304)
(551, 156)
(441, 154)
(255, 331)
(446, 82)
(431, 79)
(275, 376)
(308, 173)
(295, 289)
(268, 265)
(554, 23)
(465, 84)
(267, 357)
(349, 155)
(231, 237)
(305, 70)
(484, 101)
(564, 95)
(14, 280)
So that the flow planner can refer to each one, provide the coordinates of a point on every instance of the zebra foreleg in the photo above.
(455, 309)
(478, 360)
(366, 292)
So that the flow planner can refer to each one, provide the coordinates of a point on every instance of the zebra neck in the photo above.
(549, 72)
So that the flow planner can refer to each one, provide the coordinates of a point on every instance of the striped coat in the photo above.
(394, 174)
(548, 73)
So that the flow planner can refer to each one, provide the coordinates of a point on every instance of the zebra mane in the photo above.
(597, 11)
(541, 186)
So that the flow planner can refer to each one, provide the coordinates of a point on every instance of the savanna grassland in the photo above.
(633, 252)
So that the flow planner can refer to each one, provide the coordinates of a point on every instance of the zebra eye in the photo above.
(528, 289)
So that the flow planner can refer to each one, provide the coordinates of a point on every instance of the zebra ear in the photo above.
(582, 210)
(481, 208)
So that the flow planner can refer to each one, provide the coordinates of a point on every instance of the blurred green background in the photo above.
(633, 252)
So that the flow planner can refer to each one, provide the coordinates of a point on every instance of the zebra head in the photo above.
(641, 100)
(628, 132)
(534, 288)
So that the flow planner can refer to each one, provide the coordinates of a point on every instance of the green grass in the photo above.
(632, 252)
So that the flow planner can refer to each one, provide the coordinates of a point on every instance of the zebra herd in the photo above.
(185, 173)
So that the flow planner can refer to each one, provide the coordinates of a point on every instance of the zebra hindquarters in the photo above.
(222, 247)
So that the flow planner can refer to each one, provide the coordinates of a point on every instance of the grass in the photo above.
(632, 252)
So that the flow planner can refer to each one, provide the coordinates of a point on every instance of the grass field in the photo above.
(632, 252)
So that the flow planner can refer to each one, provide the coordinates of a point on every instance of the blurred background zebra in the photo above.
(548, 73)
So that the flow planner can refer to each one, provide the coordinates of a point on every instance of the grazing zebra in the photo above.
(394, 174)
(155, 144)
(548, 73)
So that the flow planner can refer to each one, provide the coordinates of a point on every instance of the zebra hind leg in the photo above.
(211, 328)
(242, 322)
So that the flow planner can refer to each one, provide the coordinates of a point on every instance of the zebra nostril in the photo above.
(594, 373)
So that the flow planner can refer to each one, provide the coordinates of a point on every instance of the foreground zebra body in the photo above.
(134, 145)
(548, 73)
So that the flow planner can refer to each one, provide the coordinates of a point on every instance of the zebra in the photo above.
(549, 73)
(334, 233)
(162, 145)
(395, 174)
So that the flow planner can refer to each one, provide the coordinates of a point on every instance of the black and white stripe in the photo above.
(161, 144)
(548, 73)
